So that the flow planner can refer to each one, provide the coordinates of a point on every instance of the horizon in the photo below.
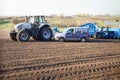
(60, 15)
(58, 7)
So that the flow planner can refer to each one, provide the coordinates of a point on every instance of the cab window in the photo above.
(70, 31)
(31, 20)
(84, 30)
(77, 30)
(37, 19)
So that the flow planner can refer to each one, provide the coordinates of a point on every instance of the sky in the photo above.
(51, 7)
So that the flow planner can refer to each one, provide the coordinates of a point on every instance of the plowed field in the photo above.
(33, 60)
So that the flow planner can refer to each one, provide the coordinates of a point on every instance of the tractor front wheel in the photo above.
(23, 36)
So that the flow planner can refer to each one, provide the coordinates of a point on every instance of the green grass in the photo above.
(61, 29)
(5, 24)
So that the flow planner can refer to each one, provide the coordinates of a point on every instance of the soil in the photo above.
(39, 60)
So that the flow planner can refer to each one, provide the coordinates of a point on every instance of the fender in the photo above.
(45, 24)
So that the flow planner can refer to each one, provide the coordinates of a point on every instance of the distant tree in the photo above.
(53, 16)
(14, 20)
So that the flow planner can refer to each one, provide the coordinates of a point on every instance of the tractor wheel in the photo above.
(36, 38)
(12, 37)
(23, 36)
(83, 39)
(46, 34)
(97, 35)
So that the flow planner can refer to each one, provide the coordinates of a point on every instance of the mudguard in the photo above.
(44, 24)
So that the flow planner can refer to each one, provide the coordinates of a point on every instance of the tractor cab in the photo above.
(36, 21)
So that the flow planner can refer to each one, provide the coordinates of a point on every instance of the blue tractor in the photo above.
(102, 32)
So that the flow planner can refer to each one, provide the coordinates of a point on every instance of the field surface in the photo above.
(33, 60)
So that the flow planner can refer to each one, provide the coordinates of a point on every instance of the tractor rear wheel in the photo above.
(45, 34)
(23, 36)
(13, 37)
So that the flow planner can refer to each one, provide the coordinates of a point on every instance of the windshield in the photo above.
(42, 19)
(37, 19)
(66, 30)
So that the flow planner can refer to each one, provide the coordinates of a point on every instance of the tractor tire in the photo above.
(45, 34)
(36, 38)
(23, 36)
(12, 37)
(97, 35)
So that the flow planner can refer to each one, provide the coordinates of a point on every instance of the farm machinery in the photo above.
(102, 32)
(35, 27)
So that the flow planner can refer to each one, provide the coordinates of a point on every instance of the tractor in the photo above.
(35, 27)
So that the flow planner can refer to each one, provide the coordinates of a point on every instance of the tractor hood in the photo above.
(20, 26)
